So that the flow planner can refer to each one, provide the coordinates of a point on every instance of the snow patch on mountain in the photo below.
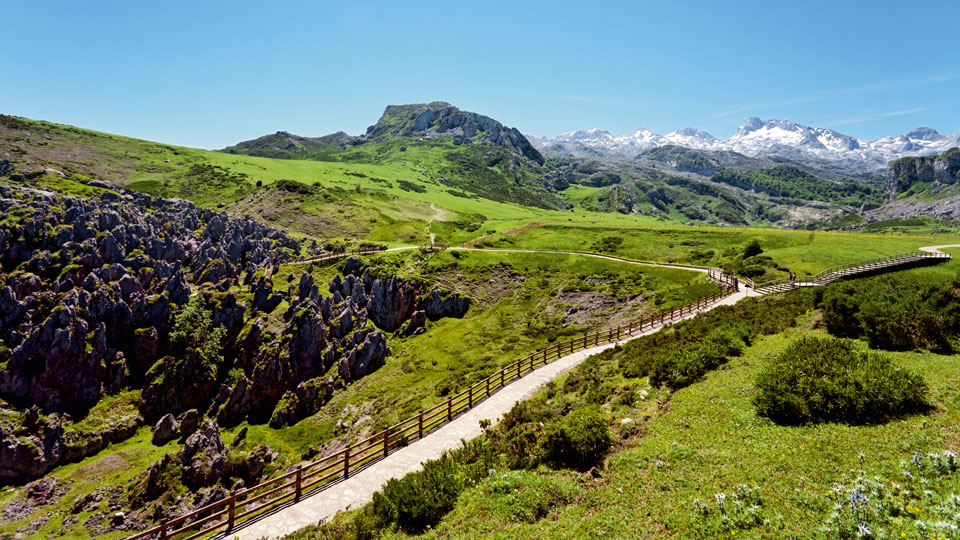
(761, 138)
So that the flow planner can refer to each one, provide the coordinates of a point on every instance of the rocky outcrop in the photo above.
(391, 300)
(203, 457)
(91, 283)
(438, 305)
(939, 170)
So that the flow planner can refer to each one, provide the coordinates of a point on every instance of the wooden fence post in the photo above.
(470, 397)
(346, 463)
(231, 511)
(488, 386)
(420, 425)
(502, 372)
(163, 529)
(299, 483)
(386, 441)
(518, 369)
(449, 408)
(531, 362)
(545, 356)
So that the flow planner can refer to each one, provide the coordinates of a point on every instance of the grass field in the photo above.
(803, 252)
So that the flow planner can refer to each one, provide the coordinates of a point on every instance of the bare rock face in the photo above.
(23, 458)
(439, 306)
(53, 367)
(176, 385)
(367, 357)
(165, 431)
(415, 325)
(939, 170)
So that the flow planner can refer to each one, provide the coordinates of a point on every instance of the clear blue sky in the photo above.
(209, 74)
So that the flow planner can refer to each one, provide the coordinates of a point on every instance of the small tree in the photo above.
(193, 330)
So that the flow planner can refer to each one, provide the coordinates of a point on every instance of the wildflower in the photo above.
(858, 500)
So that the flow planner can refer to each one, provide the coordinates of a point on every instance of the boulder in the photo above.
(165, 430)
(188, 423)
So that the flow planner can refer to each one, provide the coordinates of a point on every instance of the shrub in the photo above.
(579, 440)
(827, 379)
(292, 186)
(683, 354)
(419, 499)
(752, 249)
(895, 313)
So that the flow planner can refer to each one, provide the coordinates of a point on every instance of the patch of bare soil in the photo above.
(601, 311)
(486, 290)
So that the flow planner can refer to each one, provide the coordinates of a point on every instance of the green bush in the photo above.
(827, 379)
(681, 355)
(419, 499)
(895, 313)
(687, 365)
(752, 249)
(579, 440)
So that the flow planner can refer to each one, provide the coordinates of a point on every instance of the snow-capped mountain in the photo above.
(758, 138)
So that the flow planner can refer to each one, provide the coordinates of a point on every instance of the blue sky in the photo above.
(209, 74)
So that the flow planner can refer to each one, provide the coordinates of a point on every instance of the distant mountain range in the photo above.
(819, 148)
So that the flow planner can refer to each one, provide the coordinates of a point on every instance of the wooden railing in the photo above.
(836, 272)
(347, 253)
(291, 486)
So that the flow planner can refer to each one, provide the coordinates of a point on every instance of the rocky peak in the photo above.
(923, 134)
(441, 119)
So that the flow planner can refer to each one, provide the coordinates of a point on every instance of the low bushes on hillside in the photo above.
(680, 356)
(896, 313)
(828, 379)
(420, 499)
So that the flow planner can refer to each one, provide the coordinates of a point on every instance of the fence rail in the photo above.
(345, 253)
(226, 513)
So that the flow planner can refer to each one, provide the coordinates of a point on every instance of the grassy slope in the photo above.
(704, 440)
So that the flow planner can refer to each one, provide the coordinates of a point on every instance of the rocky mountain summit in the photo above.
(441, 119)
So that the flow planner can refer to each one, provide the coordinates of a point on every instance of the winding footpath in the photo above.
(359, 488)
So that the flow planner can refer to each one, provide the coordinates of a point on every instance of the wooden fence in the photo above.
(291, 486)
(837, 272)
(347, 253)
